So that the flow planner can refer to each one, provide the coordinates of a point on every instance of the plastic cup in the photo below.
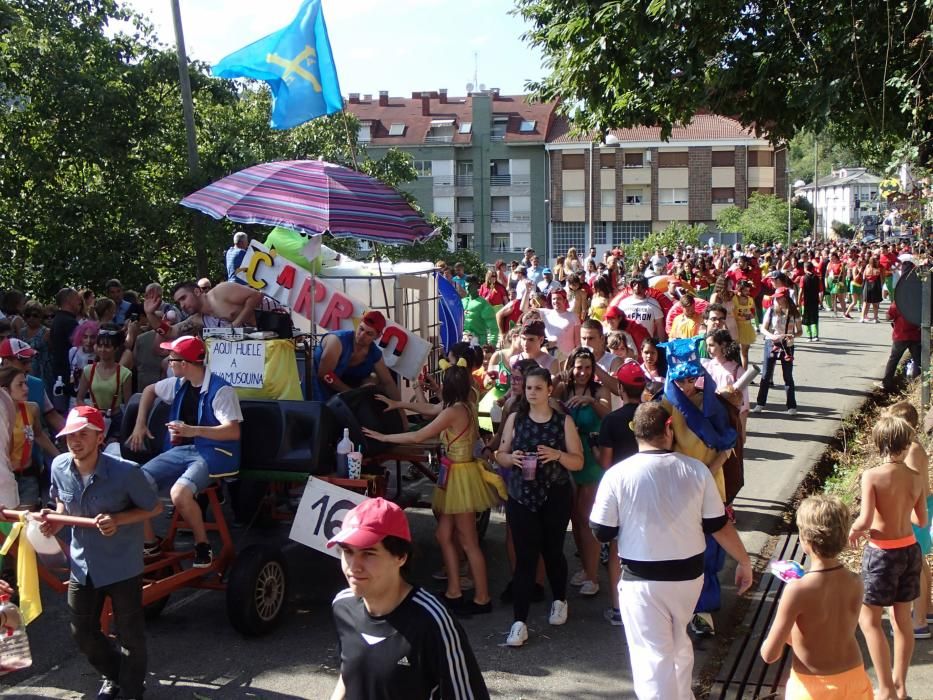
(174, 437)
(354, 464)
(529, 467)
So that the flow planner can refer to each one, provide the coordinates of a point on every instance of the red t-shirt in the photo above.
(887, 261)
(903, 329)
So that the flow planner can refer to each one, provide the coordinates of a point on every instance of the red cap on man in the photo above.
(187, 347)
(14, 347)
(631, 374)
(370, 522)
(81, 417)
(613, 312)
(375, 320)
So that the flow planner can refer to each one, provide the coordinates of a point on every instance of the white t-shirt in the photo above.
(560, 328)
(645, 312)
(658, 501)
(226, 405)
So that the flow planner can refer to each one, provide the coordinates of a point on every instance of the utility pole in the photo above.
(187, 105)
(816, 182)
(787, 172)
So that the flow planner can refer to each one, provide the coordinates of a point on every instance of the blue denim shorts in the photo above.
(179, 465)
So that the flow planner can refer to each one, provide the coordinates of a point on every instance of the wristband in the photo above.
(164, 327)
(330, 378)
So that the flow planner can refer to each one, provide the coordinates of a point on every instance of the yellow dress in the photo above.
(744, 311)
(471, 487)
(687, 442)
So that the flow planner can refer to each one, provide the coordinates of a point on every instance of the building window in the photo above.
(365, 134)
(466, 127)
(607, 199)
(422, 167)
(502, 242)
(607, 160)
(441, 131)
(672, 159)
(633, 196)
(396, 129)
(602, 231)
(723, 159)
(634, 160)
(766, 190)
(629, 231)
(574, 198)
(723, 195)
(760, 159)
(499, 127)
(573, 162)
(669, 195)
(527, 126)
(567, 234)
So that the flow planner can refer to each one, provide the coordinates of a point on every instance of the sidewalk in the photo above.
(833, 377)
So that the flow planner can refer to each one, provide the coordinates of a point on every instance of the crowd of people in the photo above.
(574, 388)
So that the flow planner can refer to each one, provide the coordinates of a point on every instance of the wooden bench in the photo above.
(743, 674)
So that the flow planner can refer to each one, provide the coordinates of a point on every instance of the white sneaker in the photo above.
(792, 411)
(578, 579)
(518, 635)
(757, 408)
(558, 612)
(589, 588)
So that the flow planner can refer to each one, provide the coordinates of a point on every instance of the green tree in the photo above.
(858, 68)
(832, 156)
(764, 221)
(676, 234)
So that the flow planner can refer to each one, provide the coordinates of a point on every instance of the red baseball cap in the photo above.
(81, 417)
(631, 374)
(375, 320)
(781, 292)
(613, 312)
(370, 522)
(187, 347)
(14, 347)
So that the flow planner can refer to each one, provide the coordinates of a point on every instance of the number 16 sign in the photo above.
(320, 514)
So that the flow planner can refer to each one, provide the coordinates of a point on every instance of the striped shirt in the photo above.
(417, 651)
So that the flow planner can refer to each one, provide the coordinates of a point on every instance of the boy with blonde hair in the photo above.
(891, 560)
(818, 614)
(918, 461)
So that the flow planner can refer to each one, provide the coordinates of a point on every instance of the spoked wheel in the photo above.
(256, 590)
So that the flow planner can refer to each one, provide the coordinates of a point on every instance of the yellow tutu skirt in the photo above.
(471, 488)
(747, 335)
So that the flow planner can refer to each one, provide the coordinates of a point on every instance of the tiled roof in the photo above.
(859, 176)
(409, 111)
(703, 127)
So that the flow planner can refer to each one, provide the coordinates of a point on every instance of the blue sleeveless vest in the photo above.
(222, 456)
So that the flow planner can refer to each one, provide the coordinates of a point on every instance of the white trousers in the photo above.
(655, 615)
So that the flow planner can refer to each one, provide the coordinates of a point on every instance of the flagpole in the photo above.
(187, 105)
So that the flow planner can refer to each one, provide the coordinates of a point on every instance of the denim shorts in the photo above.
(179, 465)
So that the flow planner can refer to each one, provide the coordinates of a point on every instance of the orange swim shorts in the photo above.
(848, 685)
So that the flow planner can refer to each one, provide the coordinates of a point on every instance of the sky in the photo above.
(395, 45)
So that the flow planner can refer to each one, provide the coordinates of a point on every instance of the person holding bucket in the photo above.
(540, 446)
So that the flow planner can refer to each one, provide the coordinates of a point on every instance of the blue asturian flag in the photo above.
(449, 312)
(297, 64)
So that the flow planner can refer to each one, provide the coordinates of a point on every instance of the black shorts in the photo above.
(891, 575)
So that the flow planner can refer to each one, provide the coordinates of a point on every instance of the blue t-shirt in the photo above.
(234, 259)
(115, 486)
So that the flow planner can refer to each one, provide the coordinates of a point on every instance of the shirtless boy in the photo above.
(918, 461)
(227, 304)
(818, 614)
(891, 561)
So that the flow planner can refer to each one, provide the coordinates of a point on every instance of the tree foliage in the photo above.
(94, 158)
(764, 221)
(676, 234)
(860, 69)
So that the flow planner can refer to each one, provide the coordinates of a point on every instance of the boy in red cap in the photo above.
(106, 562)
(203, 440)
(396, 640)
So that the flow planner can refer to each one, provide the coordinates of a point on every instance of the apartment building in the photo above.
(848, 195)
(607, 194)
(480, 159)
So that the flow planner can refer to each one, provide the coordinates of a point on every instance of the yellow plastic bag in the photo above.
(27, 573)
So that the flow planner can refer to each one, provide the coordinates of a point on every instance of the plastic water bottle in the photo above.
(344, 447)
(14, 644)
(58, 389)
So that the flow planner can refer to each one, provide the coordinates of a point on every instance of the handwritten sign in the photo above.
(332, 309)
(241, 362)
(320, 514)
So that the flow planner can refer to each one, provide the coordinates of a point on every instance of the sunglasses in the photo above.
(106, 333)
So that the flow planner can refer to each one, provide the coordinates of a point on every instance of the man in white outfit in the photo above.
(659, 504)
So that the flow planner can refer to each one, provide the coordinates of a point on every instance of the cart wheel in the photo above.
(482, 523)
(256, 590)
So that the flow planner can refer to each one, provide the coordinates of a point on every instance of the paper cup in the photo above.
(529, 467)
(354, 464)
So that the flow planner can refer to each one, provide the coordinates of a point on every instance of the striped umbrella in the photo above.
(314, 197)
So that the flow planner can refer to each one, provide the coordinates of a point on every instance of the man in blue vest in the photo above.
(203, 440)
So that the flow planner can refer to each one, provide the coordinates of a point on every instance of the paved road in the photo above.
(195, 654)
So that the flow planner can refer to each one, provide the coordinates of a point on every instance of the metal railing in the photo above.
(463, 181)
(500, 180)
(438, 138)
(465, 217)
(521, 216)
(443, 180)
(501, 216)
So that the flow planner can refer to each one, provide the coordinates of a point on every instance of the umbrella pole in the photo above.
(385, 294)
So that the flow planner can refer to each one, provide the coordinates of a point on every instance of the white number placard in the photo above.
(320, 514)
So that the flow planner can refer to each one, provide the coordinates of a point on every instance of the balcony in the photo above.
(465, 217)
(463, 181)
(501, 216)
(521, 216)
(441, 180)
(438, 138)
(500, 180)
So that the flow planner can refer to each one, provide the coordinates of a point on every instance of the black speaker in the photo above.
(279, 322)
(158, 417)
(357, 409)
(293, 436)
